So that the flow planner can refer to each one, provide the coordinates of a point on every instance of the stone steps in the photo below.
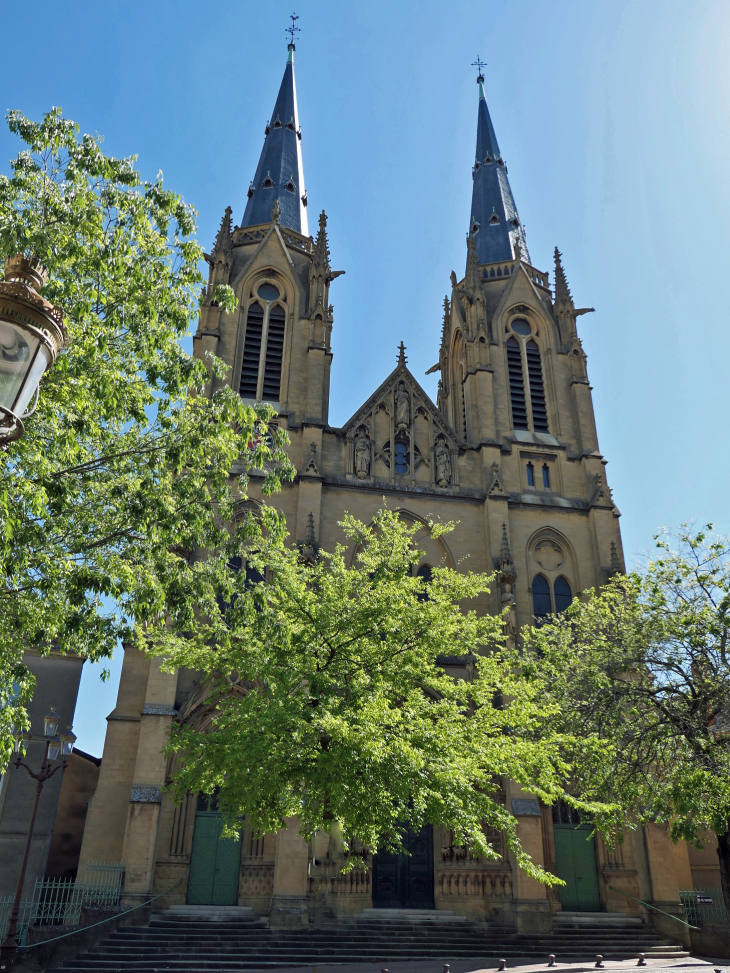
(222, 941)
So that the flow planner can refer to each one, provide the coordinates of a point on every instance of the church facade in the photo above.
(509, 451)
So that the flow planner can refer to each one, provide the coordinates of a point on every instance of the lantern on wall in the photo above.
(31, 335)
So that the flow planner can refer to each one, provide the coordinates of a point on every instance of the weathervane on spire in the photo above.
(479, 64)
(291, 31)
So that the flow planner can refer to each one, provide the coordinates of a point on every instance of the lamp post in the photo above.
(31, 336)
(55, 745)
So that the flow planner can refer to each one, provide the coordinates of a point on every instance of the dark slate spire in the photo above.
(494, 220)
(279, 174)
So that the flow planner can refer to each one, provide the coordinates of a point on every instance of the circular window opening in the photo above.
(268, 292)
(401, 456)
(520, 326)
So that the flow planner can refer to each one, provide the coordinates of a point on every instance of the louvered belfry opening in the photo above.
(516, 384)
(252, 352)
(537, 387)
(274, 354)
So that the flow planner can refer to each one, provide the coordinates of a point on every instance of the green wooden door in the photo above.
(214, 863)
(575, 855)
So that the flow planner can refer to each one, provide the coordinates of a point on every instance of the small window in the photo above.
(402, 457)
(277, 122)
(290, 125)
(563, 594)
(566, 815)
(290, 187)
(267, 292)
(541, 605)
(268, 182)
(530, 475)
(494, 219)
(546, 476)
(520, 326)
(425, 574)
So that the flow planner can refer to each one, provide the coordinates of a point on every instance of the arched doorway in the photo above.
(405, 881)
(575, 857)
(215, 861)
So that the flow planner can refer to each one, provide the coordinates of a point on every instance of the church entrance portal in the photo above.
(405, 881)
(575, 855)
(214, 862)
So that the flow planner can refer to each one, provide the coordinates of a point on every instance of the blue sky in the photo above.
(614, 119)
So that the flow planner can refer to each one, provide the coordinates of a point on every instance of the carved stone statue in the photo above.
(510, 619)
(402, 409)
(362, 457)
(443, 464)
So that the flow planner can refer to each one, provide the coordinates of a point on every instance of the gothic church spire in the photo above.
(279, 174)
(495, 223)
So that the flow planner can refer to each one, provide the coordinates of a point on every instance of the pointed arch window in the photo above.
(563, 594)
(541, 601)
(530, 475)
(252, 352)
(527, 387)
(516, 384)
(425, 574)
(537, 388)
(263, 346)
(545, 601)
(274, 354)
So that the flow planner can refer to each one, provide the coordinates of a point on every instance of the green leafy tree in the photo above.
(325, 697)
(643, 666)
(124, 471)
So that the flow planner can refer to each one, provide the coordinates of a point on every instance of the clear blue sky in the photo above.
(614, 120)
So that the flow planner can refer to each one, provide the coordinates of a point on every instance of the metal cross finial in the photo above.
(291, 31)
(479, 65)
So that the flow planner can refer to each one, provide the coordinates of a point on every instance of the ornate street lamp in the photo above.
(55, 745)
(31, 335)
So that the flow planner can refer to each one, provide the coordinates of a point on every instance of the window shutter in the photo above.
(537, 388)
(252, 352)
(516, 384)
(274, 354)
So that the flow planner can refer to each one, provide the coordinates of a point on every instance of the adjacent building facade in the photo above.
(57, 685)
(509, 451)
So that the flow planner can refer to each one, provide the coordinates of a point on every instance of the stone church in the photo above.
(509, 451)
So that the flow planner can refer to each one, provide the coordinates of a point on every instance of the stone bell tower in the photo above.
(277, 344)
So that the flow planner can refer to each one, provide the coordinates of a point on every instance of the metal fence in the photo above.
(703, 905)
(58, 901)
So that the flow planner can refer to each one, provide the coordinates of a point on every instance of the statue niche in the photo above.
(362, 454)
(442, 456)
(402, 409)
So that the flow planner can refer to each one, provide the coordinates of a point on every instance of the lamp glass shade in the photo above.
(21, 367)
(50, 723)
(54, 748)
(33, 379)
(67, 743)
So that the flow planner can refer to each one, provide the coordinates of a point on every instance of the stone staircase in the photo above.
(220, 940)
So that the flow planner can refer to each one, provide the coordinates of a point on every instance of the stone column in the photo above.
(289, 904)
(140, 839)
(661, 860)
(531, 905)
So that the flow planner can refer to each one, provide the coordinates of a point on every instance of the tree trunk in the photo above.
(723, 853)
